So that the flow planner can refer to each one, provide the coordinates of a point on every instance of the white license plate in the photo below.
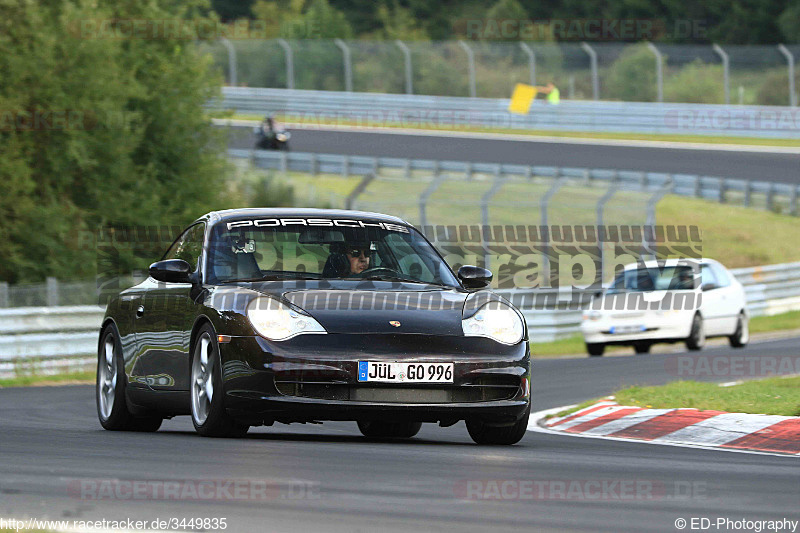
(405, 372)
(626, 330)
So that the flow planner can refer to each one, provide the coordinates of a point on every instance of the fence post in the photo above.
(771, 197)
(287, 49)
(361, 187)
(408, 66)
(531, 60)
(659, 72)
(232, 81)
(52, 291)
(793, 200)
(3, 294)
(427, 193)
(485, 200)
(790, 63)
(558, 182)
(725, 71)
(471, 64)
(595, 76)
(313, 163)
(651, 216)
(747, 192)
(601, 205)
(348, 65)
(346, 166)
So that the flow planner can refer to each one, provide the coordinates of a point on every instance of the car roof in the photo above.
(231, 214)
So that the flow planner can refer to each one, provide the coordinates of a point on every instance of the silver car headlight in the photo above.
(497, 321)
(276, 321)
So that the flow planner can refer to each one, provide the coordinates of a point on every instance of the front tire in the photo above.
(484, 433)
(379, 429)
(112, 409)
(697, 338)
(642, 347)
(741, 336)
(595, 349)
(208, 410)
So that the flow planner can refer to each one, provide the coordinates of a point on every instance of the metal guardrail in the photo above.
(438, 111)
(776, 196)
(48, 339)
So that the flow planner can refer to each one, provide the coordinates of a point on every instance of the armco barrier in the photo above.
(52, 338)
(437, 111)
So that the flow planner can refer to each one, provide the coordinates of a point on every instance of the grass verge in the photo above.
(731, 234)
(315, 120)
(771, 396)
(34, 380)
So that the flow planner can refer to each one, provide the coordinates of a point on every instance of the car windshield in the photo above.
(655, 279)
(253, 250)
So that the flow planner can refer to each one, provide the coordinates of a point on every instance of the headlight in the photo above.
(497, 321)
(278, 322)
(282, 136)
(592, 315)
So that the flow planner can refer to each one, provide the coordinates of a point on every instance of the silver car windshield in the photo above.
(680, 277)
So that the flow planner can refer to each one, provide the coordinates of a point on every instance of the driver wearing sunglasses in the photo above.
(358, 257)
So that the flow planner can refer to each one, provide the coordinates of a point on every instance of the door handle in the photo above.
(139, 311)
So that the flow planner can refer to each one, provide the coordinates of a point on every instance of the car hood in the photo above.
(375, 307)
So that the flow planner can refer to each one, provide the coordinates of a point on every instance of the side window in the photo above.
(189, 245)
(723, 278)
(707, 276)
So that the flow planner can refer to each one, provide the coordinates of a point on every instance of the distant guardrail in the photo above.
(51, 339)
(772, 196)
(587, 116)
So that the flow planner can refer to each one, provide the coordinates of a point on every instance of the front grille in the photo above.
(398, 394)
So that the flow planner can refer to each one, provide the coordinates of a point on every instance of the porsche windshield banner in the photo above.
(315, 222)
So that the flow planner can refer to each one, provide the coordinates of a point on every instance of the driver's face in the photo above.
(359, 260)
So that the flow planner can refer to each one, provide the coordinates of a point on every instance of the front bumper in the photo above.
(669, 326)
(314, 377)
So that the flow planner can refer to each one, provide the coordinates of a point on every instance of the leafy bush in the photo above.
(697, 82)
(632, 77)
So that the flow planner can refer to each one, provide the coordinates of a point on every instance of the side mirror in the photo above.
(708, 287)
(474, 277)
(171, 271)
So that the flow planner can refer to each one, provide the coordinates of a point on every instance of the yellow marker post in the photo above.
(521, 99)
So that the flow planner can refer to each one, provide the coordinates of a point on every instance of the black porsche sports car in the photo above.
(256, 316)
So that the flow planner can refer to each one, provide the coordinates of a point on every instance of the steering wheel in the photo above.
(379, 270)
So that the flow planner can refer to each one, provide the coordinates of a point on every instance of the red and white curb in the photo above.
(682, 427)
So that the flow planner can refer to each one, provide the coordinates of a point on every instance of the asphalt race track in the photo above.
(51, 439)
(779, 167)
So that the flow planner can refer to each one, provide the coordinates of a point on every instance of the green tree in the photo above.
(100, 127)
